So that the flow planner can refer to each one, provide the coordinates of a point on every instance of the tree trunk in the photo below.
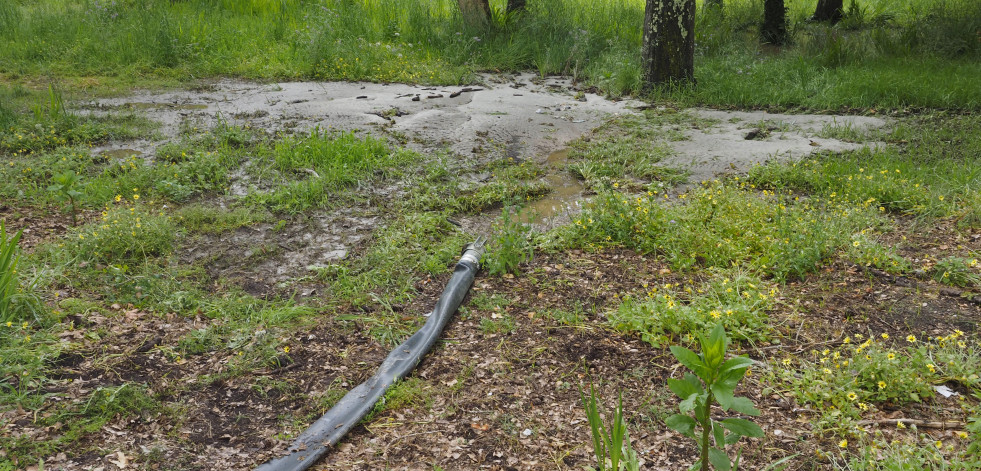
(829, 10)
(669, 42)
(516, 5)
(475, 11)
(774, 30)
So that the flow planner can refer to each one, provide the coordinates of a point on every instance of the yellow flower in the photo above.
(136, 197)
(286, 349)
(931, 367)
(939, 444)
(911, 338)
(885, 335)
(843, 444)
(881, 384)
(891, 356)
(962, 434)
(847, 340)
(852, 396)
(786, 361)
(856, 244)
(900, 425)
(119, 198)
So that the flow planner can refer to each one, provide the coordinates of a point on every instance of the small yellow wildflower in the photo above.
(843, 444)
(852, 396)
(962, 434)
(931, 367)
(911, 338)
(885, 335)
(286, 349)
(881, 384)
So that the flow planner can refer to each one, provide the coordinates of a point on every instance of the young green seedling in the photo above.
(714, 381)
(63, 188)
(612, 447)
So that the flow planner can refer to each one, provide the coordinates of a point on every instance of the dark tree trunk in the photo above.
(774, 30)
(829, 10)
(516, 5)
(669, 42)
(475, 11)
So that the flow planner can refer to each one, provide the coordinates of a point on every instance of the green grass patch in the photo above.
(722, 225)
(310, 171)
(883, 54)
(931, 170)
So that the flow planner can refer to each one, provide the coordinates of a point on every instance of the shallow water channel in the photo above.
(566, 192)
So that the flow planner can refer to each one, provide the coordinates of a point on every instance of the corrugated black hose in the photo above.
(327, 431)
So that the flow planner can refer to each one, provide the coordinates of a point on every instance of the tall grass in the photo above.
(864, 61)
(9, 280)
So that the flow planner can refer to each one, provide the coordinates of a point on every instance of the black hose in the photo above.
(327, 431)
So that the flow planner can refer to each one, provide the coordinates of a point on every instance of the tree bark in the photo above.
(774, 29)
(475, 11)
(669, 42)
(829, 10)
(516, 5)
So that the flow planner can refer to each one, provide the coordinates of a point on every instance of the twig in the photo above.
(941, 424)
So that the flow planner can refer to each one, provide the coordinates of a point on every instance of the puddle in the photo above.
(120, 154)
(566, 192)
(159, 106)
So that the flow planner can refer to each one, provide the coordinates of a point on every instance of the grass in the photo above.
(735, 250)
(885, 54)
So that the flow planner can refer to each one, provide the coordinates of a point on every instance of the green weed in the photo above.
(64, 186)
(722, 225)
(864, 250)
(610, 444)
(737, 301)
(9, 278)
(497, 324)
(512, 245)
(200, 218)
(312, 170)
(714, 381)
(956, 271)
(128, 232)
(851, 379)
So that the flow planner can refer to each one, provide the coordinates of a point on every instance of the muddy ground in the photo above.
(522, 117)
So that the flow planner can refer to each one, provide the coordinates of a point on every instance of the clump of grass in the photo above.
(312, 170)
(511, 247)
(9, 279)
(128, 232)
(206, 219)
(413, 244)
(662, 315)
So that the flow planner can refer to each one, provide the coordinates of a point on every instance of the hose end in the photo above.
(474, 251)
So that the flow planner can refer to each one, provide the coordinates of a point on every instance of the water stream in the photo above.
(566, 192)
